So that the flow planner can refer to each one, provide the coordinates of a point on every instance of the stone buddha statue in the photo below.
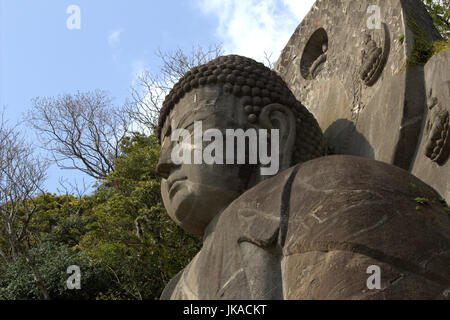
(311, 231)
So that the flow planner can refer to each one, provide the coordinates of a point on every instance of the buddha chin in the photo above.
(186, 205)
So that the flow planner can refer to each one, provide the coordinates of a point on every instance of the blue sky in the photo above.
(40, 56)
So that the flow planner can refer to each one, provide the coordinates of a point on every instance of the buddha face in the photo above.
(228, 94)
(194, 194)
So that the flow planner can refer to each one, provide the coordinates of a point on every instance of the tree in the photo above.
(22, 174)
(440, 12)
(131, 234)
(150, 90)
(16, 280)
(57, 226)
(122, 228)
(82, 131)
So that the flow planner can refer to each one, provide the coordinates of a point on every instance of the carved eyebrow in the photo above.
(166, 136)
(165, 128)
(168, 130)
(183, 123)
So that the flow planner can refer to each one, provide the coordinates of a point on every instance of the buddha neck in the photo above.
(212, 226)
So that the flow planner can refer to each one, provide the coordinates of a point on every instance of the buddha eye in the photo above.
(169, 131)
(166, 133)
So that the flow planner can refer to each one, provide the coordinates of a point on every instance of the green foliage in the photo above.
(131, 234)
(444, 205)
(423, 49)
(440, 46)
(55, 228)
(16, 279)
(422, 201)
(60, 219)
(120, 236)
(440, 12)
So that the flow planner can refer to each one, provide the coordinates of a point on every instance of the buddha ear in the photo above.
(279, 117)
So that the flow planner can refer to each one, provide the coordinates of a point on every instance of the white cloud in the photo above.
(138, 68)
(114, 38)
(252, 27)
(299, 8)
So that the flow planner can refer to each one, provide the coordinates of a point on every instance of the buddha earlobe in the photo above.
(279, 117)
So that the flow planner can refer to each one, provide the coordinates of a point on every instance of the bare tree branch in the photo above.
(22, 174)
(82, 131)
(150, 90)
(75, 189)
(268, 60)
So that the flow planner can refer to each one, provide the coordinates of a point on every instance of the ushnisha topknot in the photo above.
(257, 87)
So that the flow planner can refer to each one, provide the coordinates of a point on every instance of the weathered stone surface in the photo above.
(431, 163)
(365, 99)
(194, 193)
(219, 271)
(325, 222)
(349, 213)
(311, 231)
(257, 88)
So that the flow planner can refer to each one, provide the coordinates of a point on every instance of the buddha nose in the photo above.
(164, 167)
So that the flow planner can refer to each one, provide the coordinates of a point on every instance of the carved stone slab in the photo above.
(431, 163)
(351, 72)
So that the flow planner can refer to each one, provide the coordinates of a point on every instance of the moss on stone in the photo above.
(445, 205)
(423, 49)
(440, 46)
(422, 201)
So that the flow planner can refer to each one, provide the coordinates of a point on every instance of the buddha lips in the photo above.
(241, 147)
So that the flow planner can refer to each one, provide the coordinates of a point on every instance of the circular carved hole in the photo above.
(313, 50)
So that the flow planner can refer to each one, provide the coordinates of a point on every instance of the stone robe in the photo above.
(313, 231)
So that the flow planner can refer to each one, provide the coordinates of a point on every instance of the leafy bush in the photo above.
(17, 282)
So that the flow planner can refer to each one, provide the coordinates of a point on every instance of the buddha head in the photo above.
(228, 93)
